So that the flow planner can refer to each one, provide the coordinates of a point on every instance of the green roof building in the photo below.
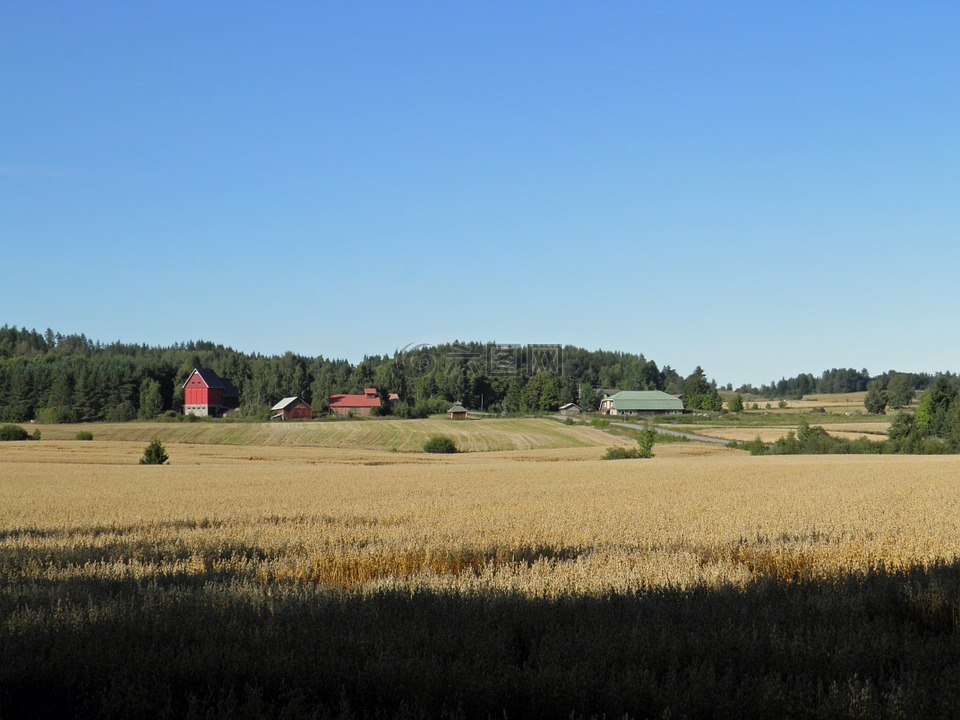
(641, 402)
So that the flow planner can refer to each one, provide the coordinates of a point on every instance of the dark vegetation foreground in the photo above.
(210, 645)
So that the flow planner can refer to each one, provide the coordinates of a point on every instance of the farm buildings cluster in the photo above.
(206, 394)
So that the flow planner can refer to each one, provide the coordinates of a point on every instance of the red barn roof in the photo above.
(353, 401)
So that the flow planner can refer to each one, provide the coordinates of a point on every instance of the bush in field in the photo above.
(620, 453)
(648, 436)
(83, 435)
(417, 411)
(644, 449)
(755, 446)
(440, 444)
(13, 432)
(155, 454)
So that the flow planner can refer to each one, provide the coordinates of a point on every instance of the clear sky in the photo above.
(759, 188)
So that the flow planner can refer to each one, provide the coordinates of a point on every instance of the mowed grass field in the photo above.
(282, 580)
(373, 434)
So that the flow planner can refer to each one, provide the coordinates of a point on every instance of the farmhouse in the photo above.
(457, 412)
(206, 394)
(641, 402)
(570, 409)
(362, 405)
(291, 408)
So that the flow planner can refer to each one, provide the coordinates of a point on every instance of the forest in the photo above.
(837, 380)
(50, 377)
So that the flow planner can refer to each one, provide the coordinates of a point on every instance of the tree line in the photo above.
(51, 377)
(934, 429)
(837, 380)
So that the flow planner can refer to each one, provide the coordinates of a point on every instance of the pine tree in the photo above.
(155, 454)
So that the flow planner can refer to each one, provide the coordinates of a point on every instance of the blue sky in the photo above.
(759, 188)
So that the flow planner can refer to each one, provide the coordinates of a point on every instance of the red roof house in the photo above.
(208, 395)
(362, 405)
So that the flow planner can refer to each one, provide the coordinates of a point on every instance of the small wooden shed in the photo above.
(291, 408)
(570, 409)
(457, 412)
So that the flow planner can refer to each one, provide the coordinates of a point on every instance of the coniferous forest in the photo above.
(50, 377)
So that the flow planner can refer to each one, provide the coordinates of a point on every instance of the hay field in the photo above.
(836, 402)
(372, 434)
(847, 431)
(326, 582)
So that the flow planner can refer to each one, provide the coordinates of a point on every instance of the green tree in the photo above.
(550, 394)
(389, 378)
(700, 394)
(542, 393)
(151, 400)
(875, 401)
(903, 432)
(694, 388)
(735, 404)
(589, 400)
(935, 406)
(899, 391)
(155, 454)
(645, 442)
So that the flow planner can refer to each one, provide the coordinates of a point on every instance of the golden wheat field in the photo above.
(537, 522)
(292, 581)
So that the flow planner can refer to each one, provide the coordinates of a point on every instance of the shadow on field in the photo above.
(876, 645)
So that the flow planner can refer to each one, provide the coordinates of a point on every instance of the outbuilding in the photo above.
(291, 408)
(457, 412)
(570, 408)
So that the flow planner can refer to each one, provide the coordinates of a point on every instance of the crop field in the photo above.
(851, 431)
(831, 400)
(274, 580)
(374, 434)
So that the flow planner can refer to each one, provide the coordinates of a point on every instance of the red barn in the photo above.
(208, 395)
(291, 408)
